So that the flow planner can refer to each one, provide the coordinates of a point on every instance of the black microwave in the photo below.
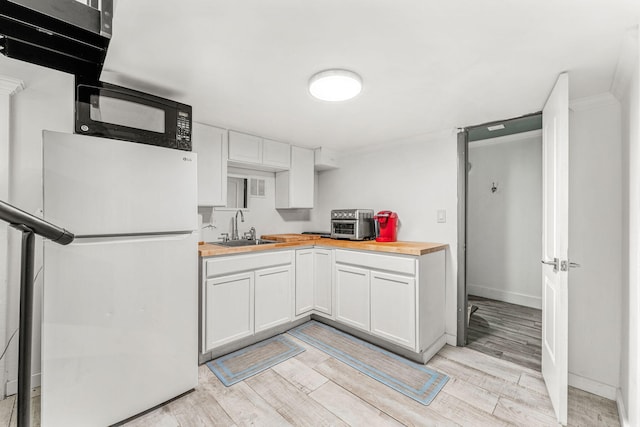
(111, 111)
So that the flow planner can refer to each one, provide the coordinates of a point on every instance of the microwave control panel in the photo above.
(183, 131)
(352, 214)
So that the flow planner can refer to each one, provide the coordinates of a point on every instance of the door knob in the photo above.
(566, 265)
(554, 263)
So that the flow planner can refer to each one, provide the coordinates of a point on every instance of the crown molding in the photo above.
(10, 86)
(626, 64)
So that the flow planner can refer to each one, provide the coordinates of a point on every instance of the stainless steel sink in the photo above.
(244, 242)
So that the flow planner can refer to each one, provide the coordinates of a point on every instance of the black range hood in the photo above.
(62, 34)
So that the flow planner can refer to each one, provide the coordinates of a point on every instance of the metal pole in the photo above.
(26, 326)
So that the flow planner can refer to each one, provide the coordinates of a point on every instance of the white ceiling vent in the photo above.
(256, 187)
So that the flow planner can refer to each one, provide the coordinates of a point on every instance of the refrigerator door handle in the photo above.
(119, 238)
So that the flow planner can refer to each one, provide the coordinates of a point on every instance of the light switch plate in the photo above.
(442, 215)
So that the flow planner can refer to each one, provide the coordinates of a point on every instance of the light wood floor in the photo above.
(314, 389)
(506, 331)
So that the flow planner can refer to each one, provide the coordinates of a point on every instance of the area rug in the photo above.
(409, 378)
(246, 362)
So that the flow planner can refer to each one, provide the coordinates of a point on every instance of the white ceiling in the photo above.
(426, 65)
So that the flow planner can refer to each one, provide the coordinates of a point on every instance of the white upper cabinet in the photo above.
(276, 154)
(258, 153)
(245, 148)
(295, 187)
(211, 145)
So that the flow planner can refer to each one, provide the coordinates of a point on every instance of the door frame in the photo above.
(463, 182)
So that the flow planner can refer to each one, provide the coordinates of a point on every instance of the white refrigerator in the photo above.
(120, 304)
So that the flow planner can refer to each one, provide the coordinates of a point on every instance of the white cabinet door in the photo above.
(229, 309)
(275, 153)
(295, 187)
(245, 148)
(273, 299)
(304, 280)
(393, 308)
(211, 145)
(352, 296)
(323, 280)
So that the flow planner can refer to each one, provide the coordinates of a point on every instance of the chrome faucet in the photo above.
(234, 233)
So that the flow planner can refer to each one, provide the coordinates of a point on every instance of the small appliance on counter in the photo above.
(386, 223)
(352, 224)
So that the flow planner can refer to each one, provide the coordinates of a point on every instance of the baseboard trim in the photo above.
(12, 386)
(451, 339)
(592, 386)
(505, 296)
(622, 412)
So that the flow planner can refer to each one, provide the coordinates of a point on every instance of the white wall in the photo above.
(413, 177)
(595, 242)
(260, 213)
(629, 95)
(45, 103)
(8, 87)
(504, 228)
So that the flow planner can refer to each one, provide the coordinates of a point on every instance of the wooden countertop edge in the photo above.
(402, 248)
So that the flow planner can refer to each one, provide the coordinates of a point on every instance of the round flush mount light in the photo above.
(335, 85)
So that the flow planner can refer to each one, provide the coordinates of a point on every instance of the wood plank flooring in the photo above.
(314, 389)
(506, 331)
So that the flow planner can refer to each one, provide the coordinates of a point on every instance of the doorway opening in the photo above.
(502, 239)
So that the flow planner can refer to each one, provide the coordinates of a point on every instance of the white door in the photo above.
(555, 236)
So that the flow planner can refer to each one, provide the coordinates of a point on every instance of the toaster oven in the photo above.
(352, 224)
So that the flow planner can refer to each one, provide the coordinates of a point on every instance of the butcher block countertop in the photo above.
(300, 240)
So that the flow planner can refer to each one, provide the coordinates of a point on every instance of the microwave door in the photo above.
(122, 112)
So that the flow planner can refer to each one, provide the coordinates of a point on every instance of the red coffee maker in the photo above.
(386, 226)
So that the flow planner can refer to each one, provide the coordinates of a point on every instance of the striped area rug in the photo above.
(246, 362)
(409, 378)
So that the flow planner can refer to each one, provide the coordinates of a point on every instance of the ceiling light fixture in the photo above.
(335, 85)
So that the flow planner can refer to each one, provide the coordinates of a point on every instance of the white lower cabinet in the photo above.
(304, 281)
(399, 299)
(352, 296)
(323, 280)
(378, 294)
(314, 281)
(244, 295)
(273, 297)
(229, 309)
(393, 308)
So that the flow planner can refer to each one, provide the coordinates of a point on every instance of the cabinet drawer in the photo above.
(399, 264)
(231, 264)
